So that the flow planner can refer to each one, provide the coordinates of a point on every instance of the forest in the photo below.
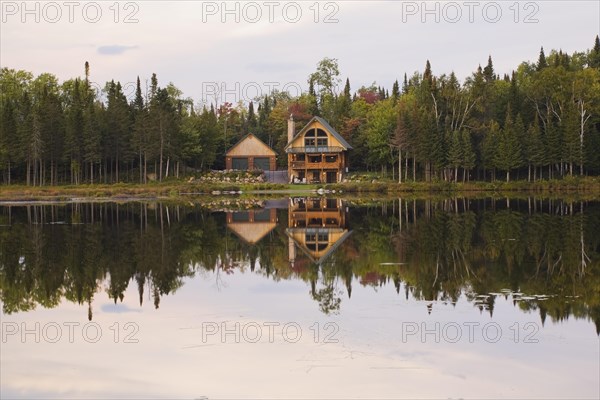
(541, 121)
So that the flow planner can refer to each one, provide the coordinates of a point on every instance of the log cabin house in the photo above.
(316, 226)
(316, 154)
(251, 153)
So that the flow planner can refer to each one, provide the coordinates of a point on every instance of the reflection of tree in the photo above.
(329, 301)
(436, 250)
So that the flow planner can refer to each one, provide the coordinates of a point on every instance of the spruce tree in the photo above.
(395, 91)
(542, 63)
(488, 71)
(594, 55)
(508, 156)
(405, 86)
(469, 158)
(455, 152)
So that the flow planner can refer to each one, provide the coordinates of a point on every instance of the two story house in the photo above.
(316, 154)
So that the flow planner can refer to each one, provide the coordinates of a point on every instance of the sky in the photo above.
(233, 51)
(381, 345)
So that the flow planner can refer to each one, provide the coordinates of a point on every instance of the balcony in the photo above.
(315, 149)
(323, 164)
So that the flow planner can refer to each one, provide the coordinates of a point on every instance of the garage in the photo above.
(239, 163)
(262, 163)
(250, 153)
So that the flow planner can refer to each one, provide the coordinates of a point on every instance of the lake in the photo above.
(301, 298)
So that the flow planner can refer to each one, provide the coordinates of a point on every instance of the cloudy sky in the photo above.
(245, 48)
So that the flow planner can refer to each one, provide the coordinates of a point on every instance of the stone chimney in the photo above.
(291, 128)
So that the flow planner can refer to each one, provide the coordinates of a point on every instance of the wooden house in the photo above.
(316, 154)
(317, 226)
(250, 153)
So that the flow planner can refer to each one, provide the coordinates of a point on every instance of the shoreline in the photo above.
(587, 188)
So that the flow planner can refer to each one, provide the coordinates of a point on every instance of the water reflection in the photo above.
(317, 226)
(543, 255)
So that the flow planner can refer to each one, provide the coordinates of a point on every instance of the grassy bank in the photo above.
(590, 187)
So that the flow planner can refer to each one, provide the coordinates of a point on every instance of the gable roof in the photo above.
(328, 127)
(253, 232)
(250, 136)
(320, 260)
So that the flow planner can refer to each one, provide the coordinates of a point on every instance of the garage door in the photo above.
(239, 163)
(262, 163)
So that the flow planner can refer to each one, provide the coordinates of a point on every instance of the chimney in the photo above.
(291, 128)
(291, 252)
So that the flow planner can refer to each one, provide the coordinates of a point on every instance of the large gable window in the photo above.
(315, 137)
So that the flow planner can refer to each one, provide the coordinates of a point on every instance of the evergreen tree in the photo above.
(455, 152)
(405, 86)
(395, 91)
(536, 155)
(251, 121)
(542, 63)
(488, 71)
(594, 55)
(508, 156)
(469, 158)
(489, 148)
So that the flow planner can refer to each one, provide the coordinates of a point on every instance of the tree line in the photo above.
(542, 121)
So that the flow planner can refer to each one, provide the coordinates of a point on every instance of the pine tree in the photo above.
(508, 156)
(8, 139)
(395, 91)
(488, 71)
(594, 56)
(542, 63)
(251, 122)
(469, 158)
(405, 86)
(536, 154)
(427, 75)
(553, 142)
(455, 152)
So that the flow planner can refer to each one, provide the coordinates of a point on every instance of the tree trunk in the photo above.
(399, 165)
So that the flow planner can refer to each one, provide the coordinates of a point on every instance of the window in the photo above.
(309, 142)
(321, 141)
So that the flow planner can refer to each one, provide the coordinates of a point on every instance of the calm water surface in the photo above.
(301, 298)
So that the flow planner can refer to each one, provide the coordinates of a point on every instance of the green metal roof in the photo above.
(328, 127)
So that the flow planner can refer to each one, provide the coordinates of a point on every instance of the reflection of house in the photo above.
(317, 153)
(250, 153)
(316, 226)
(251, 226)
